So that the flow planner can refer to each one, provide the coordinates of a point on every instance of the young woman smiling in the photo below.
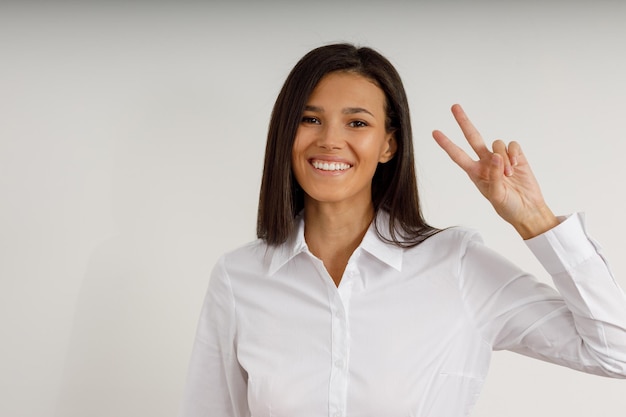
(350, 304)
(340, 142)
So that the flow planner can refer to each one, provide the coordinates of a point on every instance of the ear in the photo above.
(392, 147)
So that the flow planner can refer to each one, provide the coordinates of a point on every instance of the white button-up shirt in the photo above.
(408, 332)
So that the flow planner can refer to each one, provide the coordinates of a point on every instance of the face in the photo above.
(341, 140)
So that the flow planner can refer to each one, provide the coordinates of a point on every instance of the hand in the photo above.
(503, 176)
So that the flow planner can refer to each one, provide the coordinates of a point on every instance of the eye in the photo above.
(310, 120)
(358, 123)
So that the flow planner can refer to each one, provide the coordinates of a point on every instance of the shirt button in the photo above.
(337, 414)
(339, 363)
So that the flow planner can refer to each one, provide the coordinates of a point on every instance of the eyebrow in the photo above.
(347, 110)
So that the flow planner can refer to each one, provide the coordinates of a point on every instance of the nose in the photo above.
(331, 137)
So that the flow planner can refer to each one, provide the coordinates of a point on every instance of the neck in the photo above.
(333, 232)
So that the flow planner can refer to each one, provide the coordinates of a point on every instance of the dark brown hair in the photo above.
(394, 186)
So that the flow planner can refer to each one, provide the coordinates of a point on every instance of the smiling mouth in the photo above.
(330, 166)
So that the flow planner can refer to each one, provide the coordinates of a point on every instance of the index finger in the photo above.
(455, 153)
(470, 132)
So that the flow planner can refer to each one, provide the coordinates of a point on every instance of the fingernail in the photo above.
(508, 171)
(514, 161)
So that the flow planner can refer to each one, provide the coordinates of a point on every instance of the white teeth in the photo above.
(330, 166)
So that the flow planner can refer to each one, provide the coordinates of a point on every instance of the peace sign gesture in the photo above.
(503, 176)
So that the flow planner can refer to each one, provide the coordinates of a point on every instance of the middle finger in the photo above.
(472, 135)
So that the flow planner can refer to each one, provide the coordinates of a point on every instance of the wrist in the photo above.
(537, 223)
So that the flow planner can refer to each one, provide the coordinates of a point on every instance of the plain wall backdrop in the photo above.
(131, 146)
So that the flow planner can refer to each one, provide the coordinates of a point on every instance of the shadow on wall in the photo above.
(128, 352)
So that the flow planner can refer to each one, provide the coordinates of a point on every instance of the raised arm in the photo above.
(502, 174)
(583, 326)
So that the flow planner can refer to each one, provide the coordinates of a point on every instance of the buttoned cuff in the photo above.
(563, 247)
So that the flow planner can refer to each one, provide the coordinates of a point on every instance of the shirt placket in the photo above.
(340, 349)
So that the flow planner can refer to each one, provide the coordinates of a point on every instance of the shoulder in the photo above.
(458, 235)
(258, 259)
(252, 255)
(450, 239)
(242, 263)
(445, 248)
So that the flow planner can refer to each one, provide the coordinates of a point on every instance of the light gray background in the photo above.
(131, 143)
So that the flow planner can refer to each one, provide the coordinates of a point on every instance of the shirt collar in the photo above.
(284, 252)
(386, 252)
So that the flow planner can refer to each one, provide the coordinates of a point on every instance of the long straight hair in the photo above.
(394, 186)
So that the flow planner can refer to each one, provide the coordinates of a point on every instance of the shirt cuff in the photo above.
(563, 247)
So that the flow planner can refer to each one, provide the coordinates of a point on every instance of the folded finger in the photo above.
(499, 147)
(515, 153)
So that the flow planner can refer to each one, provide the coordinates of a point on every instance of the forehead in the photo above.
(348, 88)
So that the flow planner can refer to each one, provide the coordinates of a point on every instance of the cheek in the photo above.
(371, 149)
(295, 153)
(298, 145)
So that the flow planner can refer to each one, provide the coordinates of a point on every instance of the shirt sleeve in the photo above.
(579, 323)
(216, 383)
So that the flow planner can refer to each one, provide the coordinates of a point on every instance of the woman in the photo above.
(350, 304)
